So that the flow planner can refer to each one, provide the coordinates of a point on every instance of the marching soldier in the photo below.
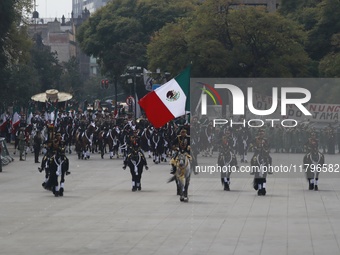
(331, 140)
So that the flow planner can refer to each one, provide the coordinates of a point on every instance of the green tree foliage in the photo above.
(71, 79)
(320, 19)
(328, 24)
(7, 17)
(46, 64)
(117, 34)
(14, 48)
(246, 42)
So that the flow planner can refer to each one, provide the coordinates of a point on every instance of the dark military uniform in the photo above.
(261, 144)
(312, 143)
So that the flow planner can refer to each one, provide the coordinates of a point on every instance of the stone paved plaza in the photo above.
(100, 215)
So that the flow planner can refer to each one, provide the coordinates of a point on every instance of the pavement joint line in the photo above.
(245, 221)
(309, 227)
(331, 225)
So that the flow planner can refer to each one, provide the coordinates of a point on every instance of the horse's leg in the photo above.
(88, 151)
(53, 181)
(316, 180)
(101, 148)
(263, 191)
(186, 187)
(261, 186)
(181, 186)
(134, 179)
(69, 147)
(310, 177)
(177, 187)
(117, 150)
(139, 177)
(111, 150)
(62, 181)
(45, 183)
(226, 184)
(16, 142)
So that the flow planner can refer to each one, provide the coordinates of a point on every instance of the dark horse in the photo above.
(313, 163)
(84, 142)
(112, 139)
(226, 160)
(182, 175)
(260, 167)
(56, 165)
(136, 161)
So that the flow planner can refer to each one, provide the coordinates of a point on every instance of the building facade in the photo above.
(78, 6)
(271, 5)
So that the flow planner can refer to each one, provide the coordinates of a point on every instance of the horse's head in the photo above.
(134, 155)
(91, 128)
(181, 160)
(315, 155)
(263, 156)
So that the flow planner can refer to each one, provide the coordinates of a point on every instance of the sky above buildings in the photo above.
(54, 8)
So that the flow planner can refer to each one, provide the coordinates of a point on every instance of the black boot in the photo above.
(61, 192)
(311, 185)
(226, 186)
(255, 185)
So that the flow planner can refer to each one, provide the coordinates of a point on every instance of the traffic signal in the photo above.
(105, 83)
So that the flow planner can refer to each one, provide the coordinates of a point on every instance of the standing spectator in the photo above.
(338, 135)
(37, 146)
(22, 143)
(331, 140)
(0, 157)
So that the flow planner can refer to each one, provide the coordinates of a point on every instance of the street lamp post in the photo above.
(135, 71)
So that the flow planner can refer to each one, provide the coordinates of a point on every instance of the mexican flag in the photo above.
(15, 120)
(3, 124)
(169, 101)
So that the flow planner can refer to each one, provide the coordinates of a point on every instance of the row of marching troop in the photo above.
(89, 133)
(135, 141)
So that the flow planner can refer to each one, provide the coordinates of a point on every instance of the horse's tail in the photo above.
(171, 179)
(255, 186)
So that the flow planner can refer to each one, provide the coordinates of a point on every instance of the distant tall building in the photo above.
(92, 5)
(271, 5)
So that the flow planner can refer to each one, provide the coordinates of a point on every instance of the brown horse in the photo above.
(84, 141)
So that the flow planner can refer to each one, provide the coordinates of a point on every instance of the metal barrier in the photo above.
(4, 154)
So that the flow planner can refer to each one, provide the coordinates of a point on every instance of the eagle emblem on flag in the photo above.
(172, 95)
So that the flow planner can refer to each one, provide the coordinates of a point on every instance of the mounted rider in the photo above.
(134, 146)
(227, 142)
(312, 143)
(261, 145)
(180, 144)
